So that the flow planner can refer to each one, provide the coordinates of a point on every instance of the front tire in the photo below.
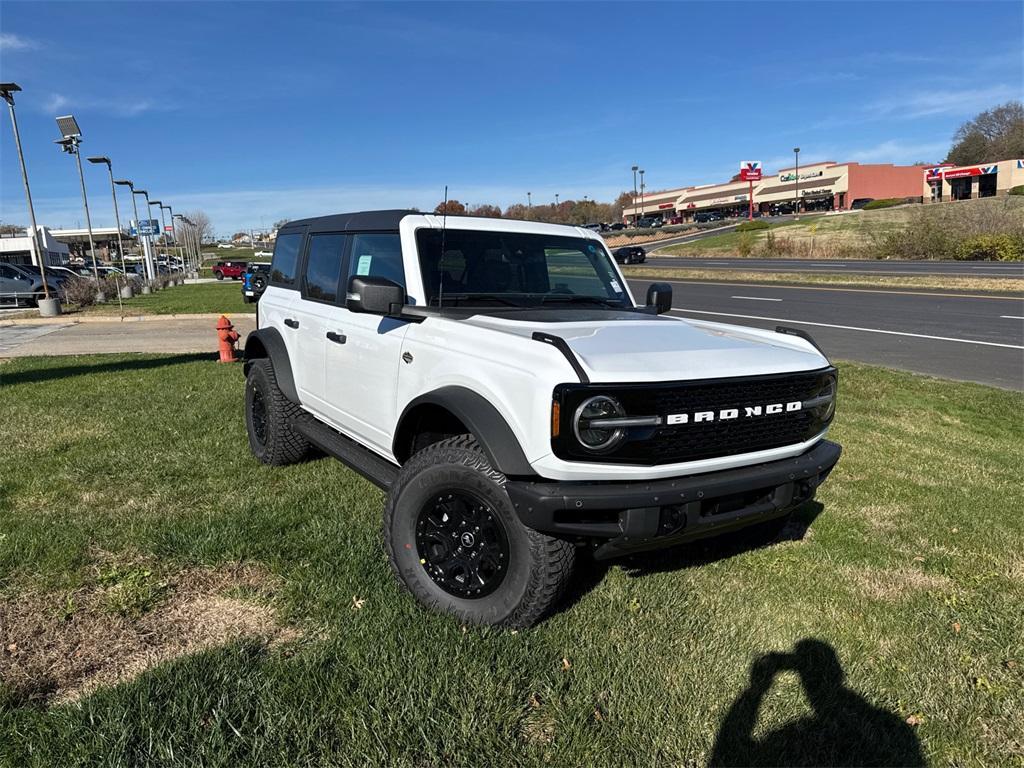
(219, 275)
(456, 543)
(269, 416)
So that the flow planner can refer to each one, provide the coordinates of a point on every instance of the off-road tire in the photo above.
(539, 566)
(281, 444)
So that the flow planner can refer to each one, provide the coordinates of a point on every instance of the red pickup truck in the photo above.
(232, 269)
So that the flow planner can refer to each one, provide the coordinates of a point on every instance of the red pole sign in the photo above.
(750, 171)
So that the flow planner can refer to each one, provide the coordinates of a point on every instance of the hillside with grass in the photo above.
(991, 228)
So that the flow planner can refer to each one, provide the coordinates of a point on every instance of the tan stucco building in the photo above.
(966, 182)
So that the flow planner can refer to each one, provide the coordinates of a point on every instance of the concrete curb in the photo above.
(74, 320)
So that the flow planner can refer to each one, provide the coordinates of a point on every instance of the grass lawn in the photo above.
(225, 297)
(166, 600)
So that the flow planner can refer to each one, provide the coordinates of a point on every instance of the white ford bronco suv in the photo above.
(499, 381)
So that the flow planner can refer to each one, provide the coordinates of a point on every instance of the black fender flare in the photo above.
(267, 342)
(488, 426)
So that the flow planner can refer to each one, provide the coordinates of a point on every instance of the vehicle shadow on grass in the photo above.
(114, 366)
(589, 572)
(843, 729)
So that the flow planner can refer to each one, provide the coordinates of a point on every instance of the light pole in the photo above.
(138, 224)
(529, 200)
(163, 229)
(72, 138)
(185, 244)
(148, 242)
(126, 292)
(796, 189)
(641, 193)
(635, 169)
(174, 236)
(51, 307)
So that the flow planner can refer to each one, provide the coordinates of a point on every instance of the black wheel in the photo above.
(268, 418)
(456, 544)
(259, 284)
(219, 275)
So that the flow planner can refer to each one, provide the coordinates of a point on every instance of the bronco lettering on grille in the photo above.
(727, 414)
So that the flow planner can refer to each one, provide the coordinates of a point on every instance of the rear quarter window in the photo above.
(284, 264)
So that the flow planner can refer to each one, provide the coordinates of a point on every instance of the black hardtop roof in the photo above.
(361, 220)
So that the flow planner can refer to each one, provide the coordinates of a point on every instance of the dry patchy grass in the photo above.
(58, 647)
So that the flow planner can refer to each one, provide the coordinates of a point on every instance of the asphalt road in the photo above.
(842, 267)
(958, 336)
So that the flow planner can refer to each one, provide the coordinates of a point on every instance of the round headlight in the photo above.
(829, 391)
(598, 438)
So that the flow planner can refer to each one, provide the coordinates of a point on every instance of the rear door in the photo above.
(277, 307)
(317, 312)
(362, 362)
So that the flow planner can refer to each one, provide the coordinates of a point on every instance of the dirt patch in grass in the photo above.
(890, 584)
(58, 647)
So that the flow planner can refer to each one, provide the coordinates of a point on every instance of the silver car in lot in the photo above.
(21, 285)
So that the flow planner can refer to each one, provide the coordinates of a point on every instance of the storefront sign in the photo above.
(977, 170)
(666, 205)
(809, 192)
(931, 174)
(750, 170)
(791, 176)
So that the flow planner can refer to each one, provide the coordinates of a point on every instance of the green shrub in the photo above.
(887, 202)
(1018, 190)
(748, 226)
(996, 247)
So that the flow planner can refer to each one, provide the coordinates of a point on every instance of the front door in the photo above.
(362, 365)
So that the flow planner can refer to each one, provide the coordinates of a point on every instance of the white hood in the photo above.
(669, 349)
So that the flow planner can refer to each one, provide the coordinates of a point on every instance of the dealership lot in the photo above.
(972, 337)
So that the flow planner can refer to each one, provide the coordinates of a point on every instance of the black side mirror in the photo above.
(375, 296)
(659, 296)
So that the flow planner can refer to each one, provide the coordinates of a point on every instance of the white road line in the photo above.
(754, 298)
(814, 264)
(1011, 317)
(851, 328)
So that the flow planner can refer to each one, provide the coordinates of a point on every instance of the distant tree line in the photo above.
(995, 134)
(564, 212)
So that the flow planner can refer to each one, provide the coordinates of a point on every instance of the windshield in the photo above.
(513, 269)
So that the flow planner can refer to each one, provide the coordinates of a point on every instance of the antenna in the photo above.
(440, 261)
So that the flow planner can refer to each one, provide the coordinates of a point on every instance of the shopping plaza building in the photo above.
(828, 186)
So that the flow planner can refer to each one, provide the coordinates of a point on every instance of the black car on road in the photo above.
(630, 254)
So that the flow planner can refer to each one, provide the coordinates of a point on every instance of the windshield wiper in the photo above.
(458, 297)
(569, 298)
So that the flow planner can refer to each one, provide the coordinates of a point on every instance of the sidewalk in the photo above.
(171, 334)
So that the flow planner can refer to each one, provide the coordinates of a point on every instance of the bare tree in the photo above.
(203, 225)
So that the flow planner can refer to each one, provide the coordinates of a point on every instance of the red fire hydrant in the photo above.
(228, 338)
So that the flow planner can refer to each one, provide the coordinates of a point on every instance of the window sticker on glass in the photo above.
(615, 286)
(363, 267)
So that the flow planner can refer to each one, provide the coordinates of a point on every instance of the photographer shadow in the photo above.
(844, 729)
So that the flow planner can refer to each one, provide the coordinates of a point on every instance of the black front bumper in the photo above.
(650, 514)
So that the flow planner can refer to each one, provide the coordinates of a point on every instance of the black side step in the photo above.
(374, 468)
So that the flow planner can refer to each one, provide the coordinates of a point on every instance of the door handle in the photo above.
(337, 338)
(291, 323)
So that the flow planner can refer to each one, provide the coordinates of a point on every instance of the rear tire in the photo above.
(456, 543)
(269, 416)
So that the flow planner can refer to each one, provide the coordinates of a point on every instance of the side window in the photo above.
(377, 256)
(323, 267)
(286, 258)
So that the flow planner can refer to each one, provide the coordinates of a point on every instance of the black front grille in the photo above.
(668, 443)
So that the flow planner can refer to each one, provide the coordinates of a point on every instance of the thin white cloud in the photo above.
(57, 102)
(12, 42)
(931, 102)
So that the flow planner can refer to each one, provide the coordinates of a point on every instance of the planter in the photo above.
(126, 292)
(49, 307)
(146, 290)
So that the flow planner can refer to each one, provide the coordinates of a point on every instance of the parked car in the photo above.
(263, 254)
(254, 281)
(617, 226)
(225, 245)
(860, 202)
(22, 288)
(520, 411)
(630, 254)
(231, 269)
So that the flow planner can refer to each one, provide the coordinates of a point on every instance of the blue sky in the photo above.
(256, 111)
